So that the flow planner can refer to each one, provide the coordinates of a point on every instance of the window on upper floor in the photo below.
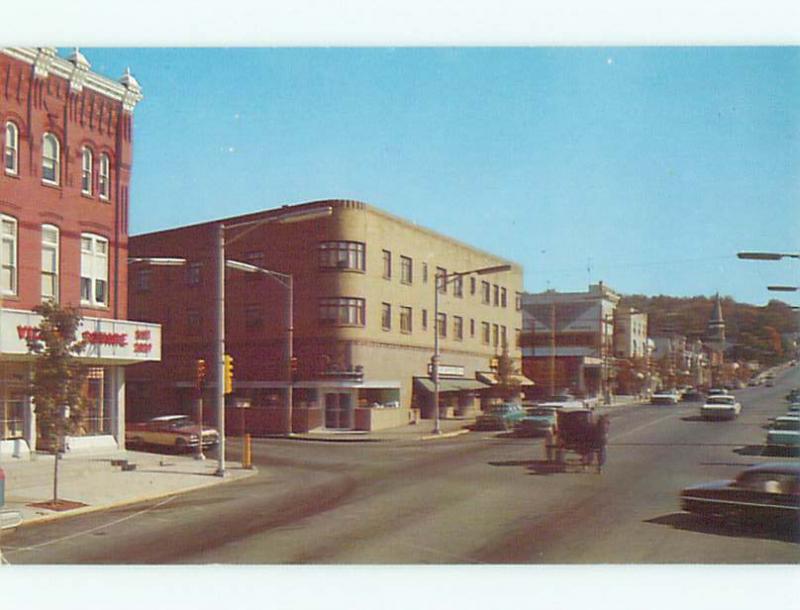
(387, 264)
(94, 270)
(486, 293)
(503, 337)
(86, 171)
(472, 285)
(485, 331)
(441, 280)
(458, 286)
(386, 316)
(472, 327)
(12, 149)
(254, 316)
(441, 324)
(424, 273)
(193, 321)
(194, 272)
(345, 311)
(104, 177)
(458, 328)
(424, 319)
(8, 255)
(51, 159)
(518, 301)
(496, 292)
(495, 335)
(50, 239)
(406, 270)
(405, 320)
(144, 280)
(342, 255)
(503, 297)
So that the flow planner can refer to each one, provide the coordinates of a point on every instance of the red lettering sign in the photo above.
(28, 333)
(142, 335)
(100, 338)
(142, 348)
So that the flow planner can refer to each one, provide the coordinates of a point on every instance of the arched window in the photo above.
(86, 171)
(104, 179)
(51, 158)
(12, 148)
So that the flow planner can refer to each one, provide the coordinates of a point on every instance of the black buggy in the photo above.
(581, 432)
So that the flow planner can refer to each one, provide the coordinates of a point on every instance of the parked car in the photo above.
(664, 397)
(766, 493)
(717, 391)
(176, 431)
(784, 435)
(692, 395)
(794, 409)
(793, 395)
(720, 407)
(538, 421)
(500, 417)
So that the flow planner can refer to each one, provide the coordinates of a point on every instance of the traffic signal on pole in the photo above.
(201, 370)
(228, 360)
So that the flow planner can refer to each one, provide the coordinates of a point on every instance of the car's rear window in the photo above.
(720, 400)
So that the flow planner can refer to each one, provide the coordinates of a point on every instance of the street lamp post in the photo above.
(442, 283)
(286, 217)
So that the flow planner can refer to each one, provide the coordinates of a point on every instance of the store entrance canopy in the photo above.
(450, 385)
(491, 379)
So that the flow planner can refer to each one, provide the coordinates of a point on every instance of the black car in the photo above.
(764, 494)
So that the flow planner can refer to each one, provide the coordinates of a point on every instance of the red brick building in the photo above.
(67, 153)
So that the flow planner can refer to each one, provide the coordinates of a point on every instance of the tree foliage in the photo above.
(509, 383)
(754, 333)
(57, 386)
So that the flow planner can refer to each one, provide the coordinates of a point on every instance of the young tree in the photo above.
(509, 384)
(57, 386)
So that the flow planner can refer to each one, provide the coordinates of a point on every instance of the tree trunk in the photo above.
(55, 476)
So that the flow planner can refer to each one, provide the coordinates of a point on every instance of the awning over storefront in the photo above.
(491, 379)
(450, 385)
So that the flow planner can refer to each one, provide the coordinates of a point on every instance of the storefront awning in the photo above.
(491, 379)
(450, 385)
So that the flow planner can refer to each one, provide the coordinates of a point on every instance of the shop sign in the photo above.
(107, 339)
(447, 370)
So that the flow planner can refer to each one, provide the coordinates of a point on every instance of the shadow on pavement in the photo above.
(718, 527)
(750, 450)
(545, 467)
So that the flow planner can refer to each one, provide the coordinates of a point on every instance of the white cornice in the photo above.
(129, 96)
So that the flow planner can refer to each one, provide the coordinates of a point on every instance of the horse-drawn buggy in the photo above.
(581, 432)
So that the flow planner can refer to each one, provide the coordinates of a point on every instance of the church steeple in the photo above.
(716, 326)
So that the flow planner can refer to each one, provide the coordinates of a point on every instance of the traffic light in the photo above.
(200, 373)
(228, 360)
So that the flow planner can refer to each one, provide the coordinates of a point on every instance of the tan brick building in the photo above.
(363, 306)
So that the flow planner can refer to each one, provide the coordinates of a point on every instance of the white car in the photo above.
(721, 406)
(665, 397)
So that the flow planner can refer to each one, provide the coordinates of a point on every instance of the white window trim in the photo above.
(94, 260)
(56, 160)
(86, 155)
(12, 290)
(55, 247)
(104, 178)
(14, 146)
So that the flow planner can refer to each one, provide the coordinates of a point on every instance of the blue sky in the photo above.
(647, 168)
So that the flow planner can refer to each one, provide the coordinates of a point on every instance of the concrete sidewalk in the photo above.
(421, 431)
(96, 484)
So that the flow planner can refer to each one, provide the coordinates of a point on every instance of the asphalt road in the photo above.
(481, 498)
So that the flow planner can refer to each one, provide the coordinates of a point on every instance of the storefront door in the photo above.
(338, 411)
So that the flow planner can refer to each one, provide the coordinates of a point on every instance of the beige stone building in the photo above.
(363, 318)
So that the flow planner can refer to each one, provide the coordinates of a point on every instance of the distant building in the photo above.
(363, 316)
(568, 339)
(630, 333)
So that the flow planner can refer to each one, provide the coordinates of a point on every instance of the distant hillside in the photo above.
(754, 332)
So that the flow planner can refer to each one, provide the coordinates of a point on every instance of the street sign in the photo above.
(9, 519)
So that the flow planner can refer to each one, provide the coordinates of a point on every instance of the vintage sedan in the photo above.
(175, 431)
(784, 435)
(768, 493)
(720, 406)
(665, 397)
(538, 421)
(500, 417)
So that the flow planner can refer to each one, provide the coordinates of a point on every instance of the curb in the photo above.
(100, 507)
(431, 437)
